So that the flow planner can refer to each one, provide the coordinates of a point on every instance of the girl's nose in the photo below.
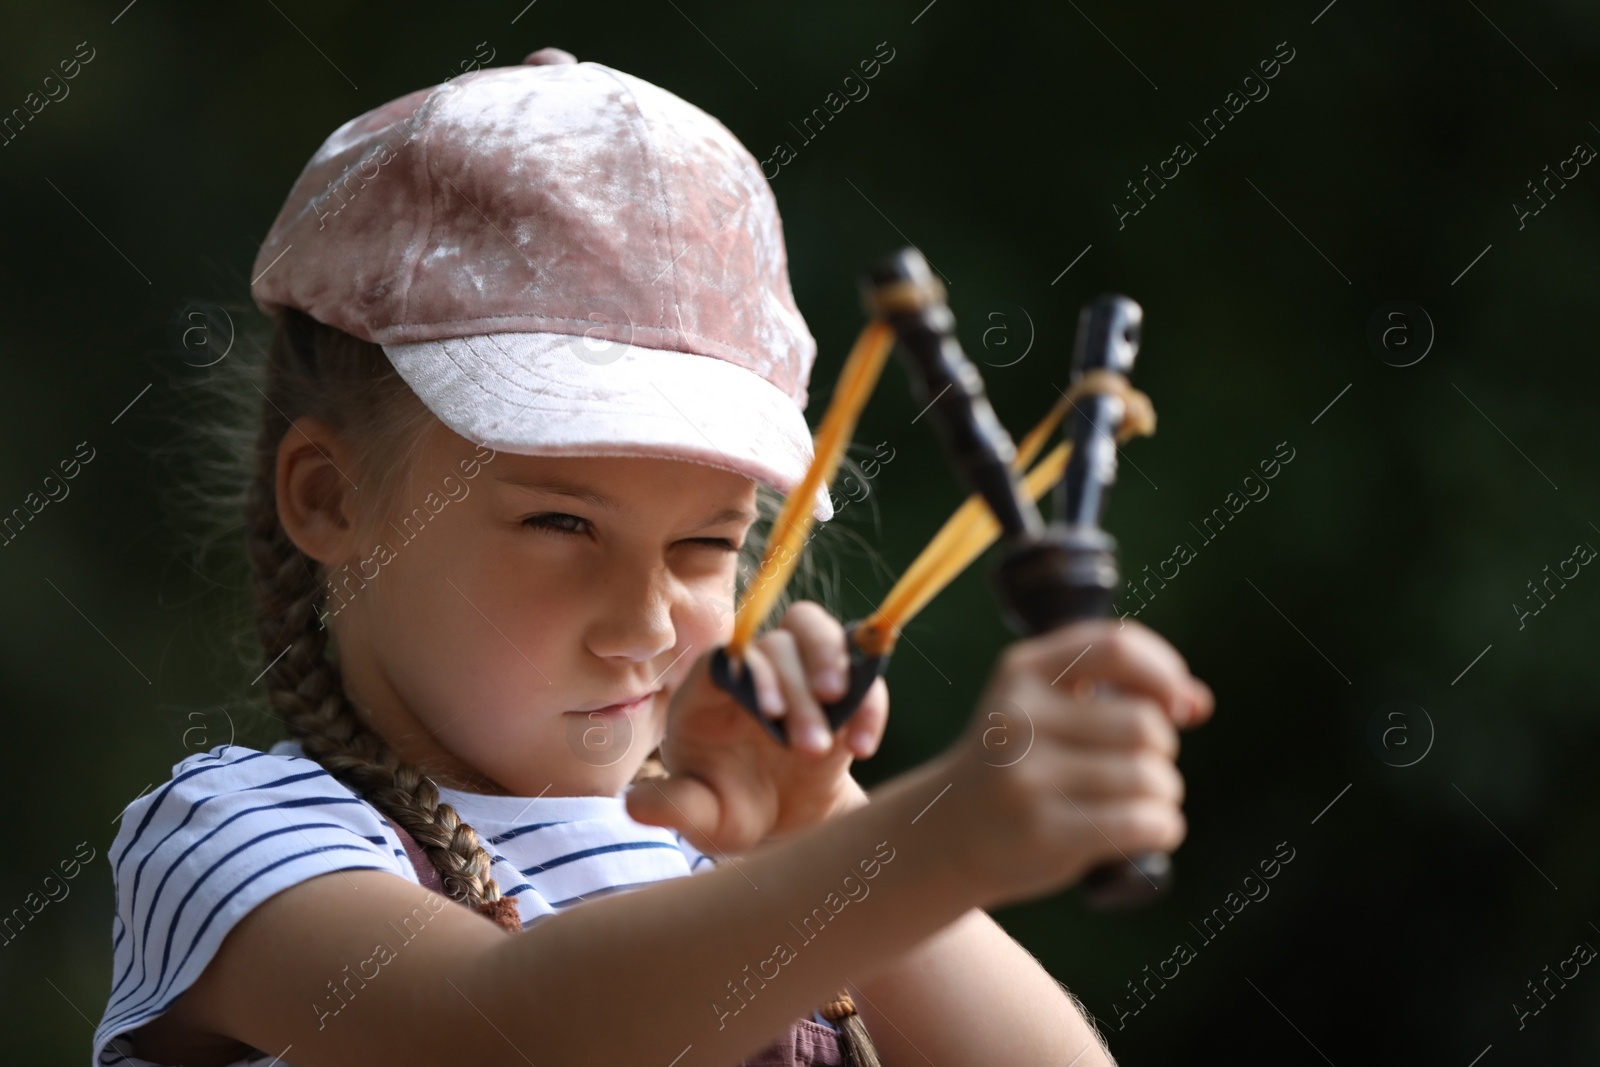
(635, 619)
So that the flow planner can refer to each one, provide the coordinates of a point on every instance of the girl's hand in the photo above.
(729, 785)
(1054, 775)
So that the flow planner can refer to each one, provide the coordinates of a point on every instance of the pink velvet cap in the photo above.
(560, 259)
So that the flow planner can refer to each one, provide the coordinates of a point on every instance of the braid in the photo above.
(303, 682)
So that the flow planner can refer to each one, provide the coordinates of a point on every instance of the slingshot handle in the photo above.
(1068, 575)
(1049, 575)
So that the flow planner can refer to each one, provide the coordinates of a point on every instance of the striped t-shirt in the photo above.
(235, 826)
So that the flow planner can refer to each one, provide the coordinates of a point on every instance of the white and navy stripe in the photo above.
(234, 826)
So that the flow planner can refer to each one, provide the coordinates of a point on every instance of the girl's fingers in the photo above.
(1130, 656)
(727, 812)
(769, 691)
(807, 727)
(1120, 721)
(1120, 776)
(678, 802)
(864, 729)
(823, 649)
(1204, 702)
(1132, 826)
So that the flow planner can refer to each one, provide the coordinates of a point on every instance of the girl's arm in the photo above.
(971, 994)
(360, 967)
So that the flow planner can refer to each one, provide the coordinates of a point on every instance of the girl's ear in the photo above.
(315, 493)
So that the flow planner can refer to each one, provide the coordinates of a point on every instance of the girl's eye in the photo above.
(550, 522)
(715, 542)
(555, 522)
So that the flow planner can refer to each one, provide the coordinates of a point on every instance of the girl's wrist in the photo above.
(851, 796)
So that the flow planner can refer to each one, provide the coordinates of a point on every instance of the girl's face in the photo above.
(500, 599)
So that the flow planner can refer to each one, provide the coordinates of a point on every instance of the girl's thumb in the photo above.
(677, 802)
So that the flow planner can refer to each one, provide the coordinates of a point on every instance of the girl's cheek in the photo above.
(711, 609)
(706, 621)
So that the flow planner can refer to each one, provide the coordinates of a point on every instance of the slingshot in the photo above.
(1048, 575)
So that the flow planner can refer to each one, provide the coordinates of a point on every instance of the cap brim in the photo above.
(556, 394)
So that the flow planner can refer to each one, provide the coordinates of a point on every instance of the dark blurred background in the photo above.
(1390, 707)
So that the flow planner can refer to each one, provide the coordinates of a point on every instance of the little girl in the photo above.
(537, 365)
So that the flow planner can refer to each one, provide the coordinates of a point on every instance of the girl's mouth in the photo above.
(631, 707)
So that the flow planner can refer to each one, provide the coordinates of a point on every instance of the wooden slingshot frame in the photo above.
(1049, 574)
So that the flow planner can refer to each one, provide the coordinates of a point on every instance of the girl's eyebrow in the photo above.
(561, 488)
(598, 499)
